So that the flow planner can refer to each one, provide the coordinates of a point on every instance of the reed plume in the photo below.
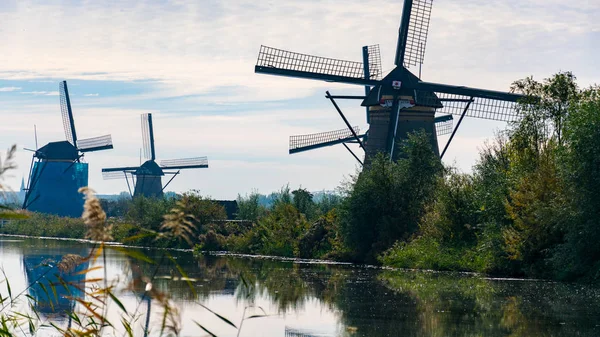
(94, 217)
(8, 164)
(178, 224)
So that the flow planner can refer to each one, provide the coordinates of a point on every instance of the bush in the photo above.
(388, 199)
(38, 224)
(320, 238)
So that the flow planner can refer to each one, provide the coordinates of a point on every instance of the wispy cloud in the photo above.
(41, 93)
(196, 62)
(9, 89)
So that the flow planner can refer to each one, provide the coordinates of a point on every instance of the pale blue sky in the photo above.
(191, 63)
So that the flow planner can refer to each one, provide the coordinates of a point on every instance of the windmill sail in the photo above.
(503, 108)
(120, 169)
(313, 141)
(414, 28)
(67, 113)
(95, 144)
(443, 125)
(148, 137)
(374, 62)
(285, 63)
(110, 175)
(184, 163)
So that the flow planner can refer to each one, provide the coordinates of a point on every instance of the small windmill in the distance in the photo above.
(147, 178)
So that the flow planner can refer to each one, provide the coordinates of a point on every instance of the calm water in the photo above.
(303, 299)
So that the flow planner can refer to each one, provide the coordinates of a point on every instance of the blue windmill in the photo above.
(57, 171)
(147, 178)
(397, 103)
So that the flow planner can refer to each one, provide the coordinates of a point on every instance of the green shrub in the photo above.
(387, 200)
(38, 224)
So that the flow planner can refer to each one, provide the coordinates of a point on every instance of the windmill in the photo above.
(147, 178)
(396, 104)
(57, 172)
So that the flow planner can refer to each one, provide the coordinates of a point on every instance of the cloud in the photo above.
(190, 48)
(9, 89)
(191, 64)
(41, 93)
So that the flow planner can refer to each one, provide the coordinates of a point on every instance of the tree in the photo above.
(249, 207)
(303, 201)
(388, 199)
(580, 254)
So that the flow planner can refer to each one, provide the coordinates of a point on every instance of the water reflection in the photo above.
(55, 278)
(323, 300)
(467, 305)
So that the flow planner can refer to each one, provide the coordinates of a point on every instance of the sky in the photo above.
(191, 64)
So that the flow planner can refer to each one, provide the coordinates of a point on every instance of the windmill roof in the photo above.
(409, 82)
(151, 168)
(62, 150)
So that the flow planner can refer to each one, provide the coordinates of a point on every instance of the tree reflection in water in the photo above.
(467, 305)
(372, 302)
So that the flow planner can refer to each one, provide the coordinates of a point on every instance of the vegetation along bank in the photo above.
(530, 206)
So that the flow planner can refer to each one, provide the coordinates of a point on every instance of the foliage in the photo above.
(580, 254)
(284, 196)
(45, 225)
(531, 205)
(7, 165)
(387, 199)
(278, 232)
(303, 201)
(249, 207)
(320, 240)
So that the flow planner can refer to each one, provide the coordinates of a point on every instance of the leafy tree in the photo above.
(282, 197)
(580, 254)
(328, 202)
(320, 239)
(249, 207)
(303, 201)
(278, 232)
(389, 198)
(202, 210)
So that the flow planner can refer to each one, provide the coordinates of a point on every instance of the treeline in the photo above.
(532, 204)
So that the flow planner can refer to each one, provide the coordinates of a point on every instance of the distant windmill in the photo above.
(400, 102)
(57, 173)
(147, 178)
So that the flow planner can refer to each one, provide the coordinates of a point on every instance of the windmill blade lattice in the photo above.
(301, 143)
(443, 125)
(375, 68)
(285, 63)
(67, 113)
(485, 108)
(148, 137)
(115, 175)
(95, 143)
(418, 28)
(184, 163)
